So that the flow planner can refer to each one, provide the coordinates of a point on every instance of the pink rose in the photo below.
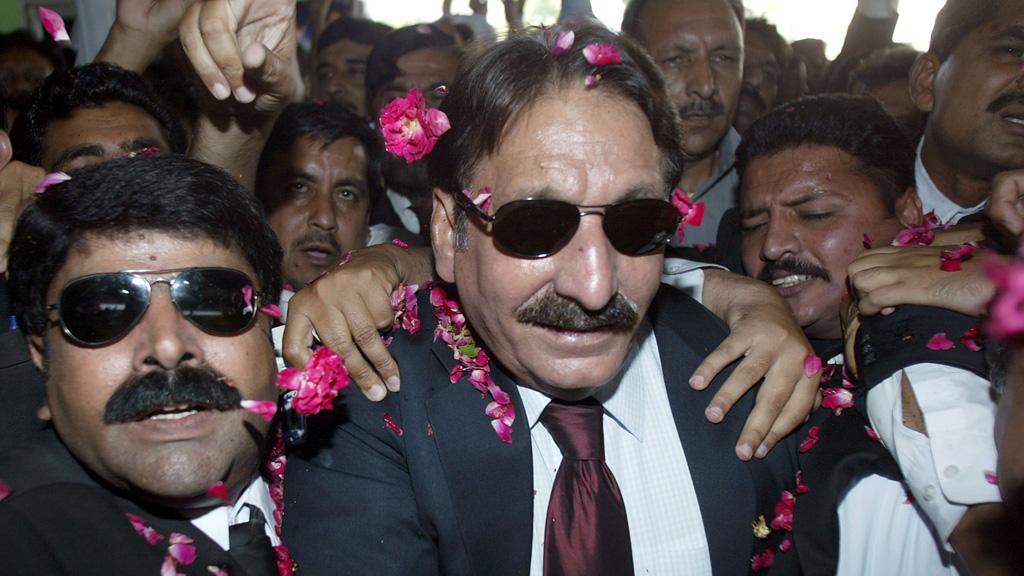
(410, 129)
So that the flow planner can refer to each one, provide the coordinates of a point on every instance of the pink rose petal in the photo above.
(763, 560)
(872, 434)
(430, 429)
(5, 490)
(692, 213)
(836, 399)
(399, 243)
(1006, 311)
(970, 340)
(811, 440)
(410, 129)
(264, 408)
(390, 423)
(563, 41)
(918, 234)
(147, 532)
(991, 477)
(317, 385)
(940, 342)
(868, 241)
(812, 365)
(219, 490)
(600, 54)
(592, 80)
(272, 310)
(51, 179)
(169, 567)
(181, 548)
(218, 570)
(785, 545)
(54, 25)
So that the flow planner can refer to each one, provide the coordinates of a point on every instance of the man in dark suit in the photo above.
(139, 290)
(558, 361)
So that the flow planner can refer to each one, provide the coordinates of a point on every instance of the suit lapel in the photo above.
(722, 482)
(484, 473)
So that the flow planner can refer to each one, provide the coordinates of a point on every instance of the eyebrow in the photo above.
(799, 200)
(138, 144)
(634, 192)
(76, 152)
(1015, 32)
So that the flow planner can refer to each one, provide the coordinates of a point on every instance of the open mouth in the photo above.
(319, 252)
(791, 280)
(173, 412)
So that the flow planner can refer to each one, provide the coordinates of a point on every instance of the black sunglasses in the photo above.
(540, 227)
(101, 308)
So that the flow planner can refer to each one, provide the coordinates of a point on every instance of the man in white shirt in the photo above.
(144, 317)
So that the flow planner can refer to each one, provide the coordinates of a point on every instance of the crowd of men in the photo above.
(557, 366)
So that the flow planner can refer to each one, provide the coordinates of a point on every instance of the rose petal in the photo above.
(54, 25)
(763, 560)
(991, 477)
(5, 490)
(940, 342)
(592, 80)
(970, 339)
(51, 179)
(399, 243)
(872, 434)
(811, 440)
(836, 399)
(264, 408)
(868, 241)
(169, 567)
(812, 365)
(219, 490)
(181, 548)
(390, 423)
(563, 41)
(272, 310)
(601, 54)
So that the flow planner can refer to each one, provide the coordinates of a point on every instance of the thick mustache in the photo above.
(550, 309)
(1005, 100)
(793, 266)
(754, 95)
(318, 239)
(140, 396)
(708, 107)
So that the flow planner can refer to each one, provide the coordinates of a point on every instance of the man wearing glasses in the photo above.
(139, 291)
(547, 426)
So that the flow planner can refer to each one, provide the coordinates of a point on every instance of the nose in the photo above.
(321, 211)
(779, 239)
(166, 340)
(587, 270)
(701, 80)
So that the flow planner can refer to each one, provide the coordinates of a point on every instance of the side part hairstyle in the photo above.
(855, 124)
(325, 123)
(88, 86)
(493, 87)
(168, 194)
(956, 20)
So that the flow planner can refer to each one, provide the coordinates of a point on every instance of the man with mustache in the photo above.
(549, 355)
(138, 283)
(319, 177)
(698, 45)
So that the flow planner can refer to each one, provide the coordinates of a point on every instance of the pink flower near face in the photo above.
(919, 234)
(837, 399)
(272, 310)
(54, 25)
(599, 54)
(219, 491)
(51, 179)
(410, 129)
(952, 260)
(318, 384)
(264, 408)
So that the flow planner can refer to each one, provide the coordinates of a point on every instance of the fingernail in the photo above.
(887, 311)
(697, 382)
(394, 383)
(743, 451)
(244, 95)
(377, 392)
(762, 451)
(220, 91)
(713, 413)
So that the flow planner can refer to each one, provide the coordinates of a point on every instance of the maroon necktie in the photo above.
(586, 532)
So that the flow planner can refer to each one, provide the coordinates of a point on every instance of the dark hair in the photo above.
(492, 88)
(325, 123)
(856, 125)
(46, 47)
(358, 30)
(882, 66)
(169, 194)
(957, 19)
(382, 64)
(634, 8)
(776, 43)
(88, 86)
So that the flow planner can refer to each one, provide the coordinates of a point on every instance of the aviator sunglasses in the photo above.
(540, 227)
(101, 308)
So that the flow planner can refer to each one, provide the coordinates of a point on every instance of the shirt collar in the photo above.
(933, 200)
(622, 398)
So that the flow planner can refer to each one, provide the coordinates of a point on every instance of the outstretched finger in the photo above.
(199, 56)
(726, 353)
(217, 27)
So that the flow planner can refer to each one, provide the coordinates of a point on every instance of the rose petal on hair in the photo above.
(592, 80)
(51, 179)
(812, 365)
(601, 54)
(264, 408)
(940, 342)
(54, 25)
(563, 41)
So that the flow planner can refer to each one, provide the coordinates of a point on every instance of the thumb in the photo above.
(6, 150)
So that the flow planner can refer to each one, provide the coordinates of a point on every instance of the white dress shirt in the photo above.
(216, 522)
(643, 451)
(403, 208)
(945, 469)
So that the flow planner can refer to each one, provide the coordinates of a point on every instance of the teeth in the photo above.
(791, 280)
(172, 415)
(1015, 119)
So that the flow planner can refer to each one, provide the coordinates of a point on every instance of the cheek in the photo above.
(248, 360)
(85, 379)
(287, 223)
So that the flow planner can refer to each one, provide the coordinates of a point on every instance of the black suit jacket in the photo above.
(21, 385)
(59, 520)
(446, 496)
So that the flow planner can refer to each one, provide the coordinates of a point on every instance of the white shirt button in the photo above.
(929, 493)
(951, 471)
